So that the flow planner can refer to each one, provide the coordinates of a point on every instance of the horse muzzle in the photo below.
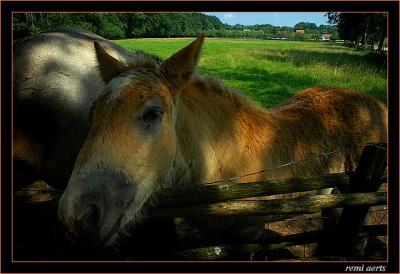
(93, 205)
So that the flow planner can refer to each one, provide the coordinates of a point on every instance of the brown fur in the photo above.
(245, 138)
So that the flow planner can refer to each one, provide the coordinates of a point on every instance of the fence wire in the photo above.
(323, 154)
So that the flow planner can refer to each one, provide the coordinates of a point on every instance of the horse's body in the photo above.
(225, 135)
(160, 123)
(55, 80)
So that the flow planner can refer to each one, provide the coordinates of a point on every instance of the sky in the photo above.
(288, 19)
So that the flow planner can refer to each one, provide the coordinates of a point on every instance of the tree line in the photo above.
(360, 29)
(135, 25)
(268, 31)
(118, 25)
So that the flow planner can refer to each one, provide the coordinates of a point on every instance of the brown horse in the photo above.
(159, 123)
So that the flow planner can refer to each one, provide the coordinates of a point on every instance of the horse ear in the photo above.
(113, 59)
(180, 67)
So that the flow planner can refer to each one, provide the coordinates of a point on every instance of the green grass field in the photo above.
(272, 71)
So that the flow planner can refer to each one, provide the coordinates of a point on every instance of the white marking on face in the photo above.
(116, 85)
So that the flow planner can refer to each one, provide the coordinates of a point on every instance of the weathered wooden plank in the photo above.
(300, 205)
(41, 194)
(226, 251)
(208, 193)
(38, 193)
(219, 252)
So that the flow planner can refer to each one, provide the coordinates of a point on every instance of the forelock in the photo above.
(144, 68)
(113, 89)
(143, 59)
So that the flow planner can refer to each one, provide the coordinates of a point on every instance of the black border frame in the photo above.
(7, 7)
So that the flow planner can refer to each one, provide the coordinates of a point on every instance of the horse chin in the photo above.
(122, 229)
(109, 240)
(131, 217)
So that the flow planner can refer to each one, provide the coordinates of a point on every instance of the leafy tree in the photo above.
(361, 28)
(305, 26)
(108, 25)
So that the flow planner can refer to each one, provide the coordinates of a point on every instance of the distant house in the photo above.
(301, 31)
(326, 36)
(246, 30)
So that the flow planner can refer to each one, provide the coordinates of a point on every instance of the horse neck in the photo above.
(220, 132)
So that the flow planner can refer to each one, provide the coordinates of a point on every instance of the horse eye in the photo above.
(152, 115)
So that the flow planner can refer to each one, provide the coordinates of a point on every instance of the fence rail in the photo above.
(299, 205)
(218, 192)
(223, 251)
(358, 192)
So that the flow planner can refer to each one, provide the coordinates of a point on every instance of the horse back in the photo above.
(319, 120)
(346, 110)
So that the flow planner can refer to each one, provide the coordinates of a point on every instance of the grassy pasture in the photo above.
(272, 71)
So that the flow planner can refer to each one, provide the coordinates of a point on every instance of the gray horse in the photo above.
(55, 80)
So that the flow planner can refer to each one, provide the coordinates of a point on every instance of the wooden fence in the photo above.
(358, 192)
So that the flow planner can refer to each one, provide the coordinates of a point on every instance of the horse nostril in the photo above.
(87, 222)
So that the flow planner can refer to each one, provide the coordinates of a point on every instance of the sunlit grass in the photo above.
(272, 71)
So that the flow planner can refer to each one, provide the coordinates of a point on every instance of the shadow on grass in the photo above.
(299, 58)
(267, 88)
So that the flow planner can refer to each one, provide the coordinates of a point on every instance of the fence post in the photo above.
(366, 178)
